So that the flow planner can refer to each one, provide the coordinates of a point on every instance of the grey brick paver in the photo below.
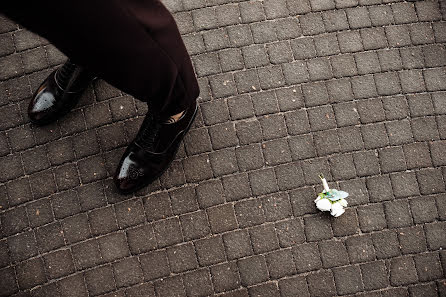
(354, 89)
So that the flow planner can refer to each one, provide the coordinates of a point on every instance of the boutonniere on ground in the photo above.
(331, 200)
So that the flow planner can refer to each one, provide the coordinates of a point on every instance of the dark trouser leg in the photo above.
(132, 44)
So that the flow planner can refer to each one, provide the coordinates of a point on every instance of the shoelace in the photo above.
(64, 74)
(149, 132)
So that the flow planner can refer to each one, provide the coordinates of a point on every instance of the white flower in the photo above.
(343, 202)
(337, 209)
(323, 204)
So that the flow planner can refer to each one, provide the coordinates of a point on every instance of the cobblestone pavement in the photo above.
(289, 89)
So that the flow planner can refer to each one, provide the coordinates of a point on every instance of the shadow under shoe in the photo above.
(58, 93)
(152, 150)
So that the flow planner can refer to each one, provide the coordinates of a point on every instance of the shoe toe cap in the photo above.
(129, 175)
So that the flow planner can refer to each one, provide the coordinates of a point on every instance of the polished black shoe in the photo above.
(152, 151)
(58, 93)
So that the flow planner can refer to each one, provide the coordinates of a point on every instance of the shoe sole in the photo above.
(148, 182)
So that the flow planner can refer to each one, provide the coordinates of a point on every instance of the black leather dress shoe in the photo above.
(152, 151)
(58, 93)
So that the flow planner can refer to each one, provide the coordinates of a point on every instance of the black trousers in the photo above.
(134, 45)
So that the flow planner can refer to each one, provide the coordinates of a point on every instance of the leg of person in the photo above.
(134, 45)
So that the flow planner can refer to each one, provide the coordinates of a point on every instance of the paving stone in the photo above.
(287, 28)
(103, 221)
(295, 72)
(303, 48)
(273, 126)
(76, 228)
(263, 32)
(326, 142)
(389, 60)
(347, 280)
(141, 239)
(404, 13)
(168, 232)
(197, 168)
(246, 81)
(225, 276)
(210, 193)
(374, 275)
(170, 286)
(312, 24)
(223, 162)
(100, 280)
(127, 272)
(440, 206)
(423, 210)
(155, 264)
(210, 250)
(252, 11)
(317, 227)
(236, 186)
(49, 237)
(275, 152)
(335, 20)
(113, 246)
(280, 52)
(249, 213)
(330, 259)
(293, 286)
(301, 205)
(73, 285)
(237, 244)
(350, 138)
(40, 212)
(198, 283)
(386, 244)
(381, 15)
(253, 270)
(428, 267)
(404, 184)
(430, 181)
(139, 290)
(263, 239)
(240, 35)
(263, 181)
(402, 271)
(222, 218)
(183, 200)
(424, 129)
(249, 157)
(434, 237)
(326, 114)
(343, 65)
(59, 263)
(346, 225)
(267, 289)
(19, 191)
(412, 240)
(182, 258)
(21, 246)
(423, 290)
(86, 254)
(30, 273)
(360, 248)
(397, 214)
(379, 188)
(319, 69)
(372, 218)
(321, 283)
